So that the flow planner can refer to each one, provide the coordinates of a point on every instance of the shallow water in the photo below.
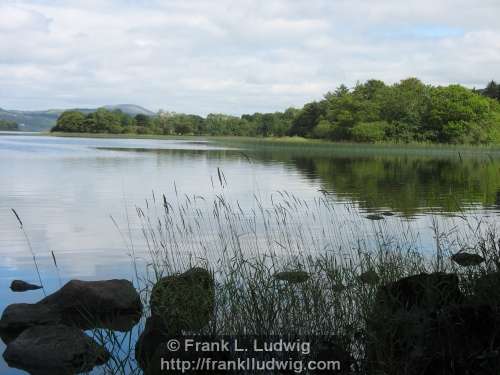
(66, 189)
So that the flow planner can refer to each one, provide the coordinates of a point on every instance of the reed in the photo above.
(246, 247)
(33, 255)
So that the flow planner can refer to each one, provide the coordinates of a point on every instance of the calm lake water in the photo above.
(66, 190)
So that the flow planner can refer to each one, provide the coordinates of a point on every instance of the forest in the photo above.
(407, 111)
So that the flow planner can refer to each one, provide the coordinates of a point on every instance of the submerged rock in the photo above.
(184, 302)
(54, 350)
(23, 286)
(293, 277)
(375, 217)
(467, 259)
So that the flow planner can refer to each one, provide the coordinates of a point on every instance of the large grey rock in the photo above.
(184, 302)
(54, 350)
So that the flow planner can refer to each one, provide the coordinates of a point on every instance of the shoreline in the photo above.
(298, 142)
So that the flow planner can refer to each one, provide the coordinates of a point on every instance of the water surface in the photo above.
(66, 190)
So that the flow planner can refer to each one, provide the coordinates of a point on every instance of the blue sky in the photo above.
(234, 56)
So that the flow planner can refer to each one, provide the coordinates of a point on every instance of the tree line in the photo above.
(408, 111)
(8, 125)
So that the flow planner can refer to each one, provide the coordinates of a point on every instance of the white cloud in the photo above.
(234, 56)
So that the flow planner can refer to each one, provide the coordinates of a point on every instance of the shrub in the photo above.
(369, 131)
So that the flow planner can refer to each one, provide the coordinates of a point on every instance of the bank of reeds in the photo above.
(245, 248)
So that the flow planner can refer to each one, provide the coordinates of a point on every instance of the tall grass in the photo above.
(244, 248)
(33, 255)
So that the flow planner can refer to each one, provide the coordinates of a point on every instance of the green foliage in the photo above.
(408, 111)
(8, 125)
(325, 130)
(369, 131)
(404, 112)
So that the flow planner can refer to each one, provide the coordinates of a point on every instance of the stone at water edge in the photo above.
(486, 289)
(423, 291)
(54, 350)
(111, 304)
(149, 341)
(467, 259)
(91, 304)
(20, 316)
(369, 277)
(184, 302)
(23, 286)
(375, 217)
(293, 277)
(399, 328)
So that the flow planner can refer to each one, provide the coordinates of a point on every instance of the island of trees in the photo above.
(408, 111)
(8, 125)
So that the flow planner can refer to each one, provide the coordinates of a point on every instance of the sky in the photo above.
(235, 56)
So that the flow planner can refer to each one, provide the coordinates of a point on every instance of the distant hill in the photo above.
(45, 120)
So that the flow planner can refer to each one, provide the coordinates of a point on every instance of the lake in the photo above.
(67, 190)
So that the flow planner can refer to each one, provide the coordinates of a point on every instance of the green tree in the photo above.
(70, 121)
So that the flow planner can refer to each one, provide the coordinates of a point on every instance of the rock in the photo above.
(95, 304)
(293, 277)
(184, 302)
(149, 341)
(152, 348)
(112, 304)
(375, 217)
(401, 321)
(463, 339)
(388, 213)
(334, 349)
(23, 286)
(369, 277)
(487, 289)
(20, 316)
(424, 291)
(467, 259)
(54, 350)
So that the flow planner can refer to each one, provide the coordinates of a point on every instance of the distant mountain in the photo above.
(130, 109)
(45, 120)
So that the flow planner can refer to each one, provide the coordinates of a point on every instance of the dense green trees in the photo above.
(8, 125)
(403, 112)
(408, 111)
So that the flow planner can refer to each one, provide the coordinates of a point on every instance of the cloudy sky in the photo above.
(234, 56)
